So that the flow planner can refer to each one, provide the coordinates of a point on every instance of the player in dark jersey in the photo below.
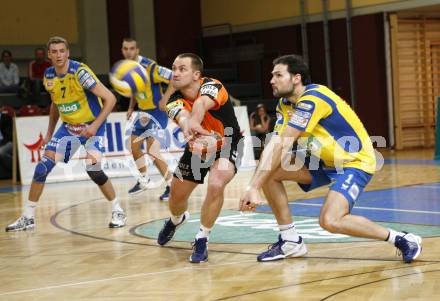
(200, 106)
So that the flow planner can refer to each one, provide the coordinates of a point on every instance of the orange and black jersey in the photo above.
(216, 119)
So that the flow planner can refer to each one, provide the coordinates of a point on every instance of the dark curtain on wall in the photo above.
(339, 57)
(118, 27)
(370, 73)
(276, 41)
(369, 61)
(315, 44)
(178, 29)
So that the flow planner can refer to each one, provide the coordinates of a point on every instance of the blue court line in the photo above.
(11, 189)
(419, 204)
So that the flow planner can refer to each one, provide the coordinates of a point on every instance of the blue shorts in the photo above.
(66, 140)
(148, 125)
(350, 182)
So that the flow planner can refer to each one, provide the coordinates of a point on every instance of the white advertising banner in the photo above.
(118, 161)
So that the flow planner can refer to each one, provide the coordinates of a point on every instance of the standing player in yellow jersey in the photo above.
(83, 104)
(151, 119)
(340, 153)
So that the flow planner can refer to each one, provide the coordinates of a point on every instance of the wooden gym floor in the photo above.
(72, 255)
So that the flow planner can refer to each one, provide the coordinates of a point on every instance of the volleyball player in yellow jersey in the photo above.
(83, 104)
(151, 118)
(338, 152)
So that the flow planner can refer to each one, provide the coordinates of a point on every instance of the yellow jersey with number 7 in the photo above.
(71, 93)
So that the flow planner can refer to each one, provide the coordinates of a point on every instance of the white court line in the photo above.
(343, 248)
(374, 208)
(119, 278)
(427, 187)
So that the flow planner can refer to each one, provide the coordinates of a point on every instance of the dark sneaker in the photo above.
(140, 186)
(410, 245)
(168, 230)
(282, 249)
(165, 195)
(21, 224)
(118, 219)
(200, 251)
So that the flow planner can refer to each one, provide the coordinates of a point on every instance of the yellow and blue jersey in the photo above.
(331, 130)
(71, 93)
(159, 78)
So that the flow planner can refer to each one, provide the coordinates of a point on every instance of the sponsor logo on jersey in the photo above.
(209, 90)
(279, 116)
(174, 108)
(141, 96)
(86, 79)
(164, 72)
(300, 119)
(69, 108)
(305, 106)
(49, 75)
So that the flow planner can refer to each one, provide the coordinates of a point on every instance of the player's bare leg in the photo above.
(335, 217)
(138, 156)
(217, 181)
(178, 204)
(94, 170)
(153, 149)
(290, 243)
(27, 220)
(276, 194)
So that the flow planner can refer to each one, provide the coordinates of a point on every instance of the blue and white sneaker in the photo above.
(118, 219)
(21, 224)
(141, 185)
(168, 229)
(200, 250)
(282, 249)
(165, 195)
(410, 245)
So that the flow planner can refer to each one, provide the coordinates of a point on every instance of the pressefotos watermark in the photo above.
(309, 152)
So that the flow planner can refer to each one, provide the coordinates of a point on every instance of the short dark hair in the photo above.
(196, 61)
(295, 65)
(128, 39)
(40, 49)
(57, 40)
(6, 52)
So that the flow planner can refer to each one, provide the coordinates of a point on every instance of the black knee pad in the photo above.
(97, 176)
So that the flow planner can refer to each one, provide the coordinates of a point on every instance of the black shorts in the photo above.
(192, 168)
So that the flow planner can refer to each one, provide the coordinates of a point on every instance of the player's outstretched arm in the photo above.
(200, 107)
(165, 97)
(270, 160)
(131, 106)
(108, 100)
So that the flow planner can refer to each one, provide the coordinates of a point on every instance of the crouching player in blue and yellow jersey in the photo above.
(151, 119)
(337, 152)
(83, 104)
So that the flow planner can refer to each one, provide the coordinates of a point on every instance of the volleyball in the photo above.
(128, 78)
